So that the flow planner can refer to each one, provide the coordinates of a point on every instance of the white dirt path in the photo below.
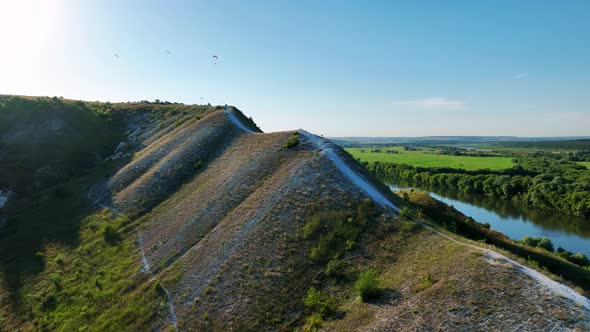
(327, 149)
(237, 122)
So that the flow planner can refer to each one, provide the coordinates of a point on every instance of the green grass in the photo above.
(69, 268)
(585, 164)
(98, 285)
(429, 158)
(84, 279)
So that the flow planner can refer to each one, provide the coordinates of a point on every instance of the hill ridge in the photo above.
(204, 222)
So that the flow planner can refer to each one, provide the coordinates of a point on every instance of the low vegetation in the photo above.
(539, 242)
(317, 302)
(79, 287)
(335, 232)
(367, 285)
(425, 282)
(544, 243)
(292, 141)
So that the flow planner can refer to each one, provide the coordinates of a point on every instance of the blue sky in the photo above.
(338, 68)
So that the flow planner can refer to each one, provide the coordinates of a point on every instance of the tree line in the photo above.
(549, 182)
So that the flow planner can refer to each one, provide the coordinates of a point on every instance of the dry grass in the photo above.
(465, 292)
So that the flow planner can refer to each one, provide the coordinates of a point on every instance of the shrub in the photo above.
(111, 235)
(333, 267)
(543, 243)
(49, 303)
(292, 141)
(367, 285)
(425, 282)
(56, 280)
(311, 226)
(404, 212)
(350, 244)
(59, 260)
(409, 226)
(198, 165)
(578, 259)
(339, 232)
(487, 225)
(546, 244)
(317, 302)
(313, 323)
(420, 214)
(529, 241)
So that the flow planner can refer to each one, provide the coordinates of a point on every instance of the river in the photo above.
(512, 219)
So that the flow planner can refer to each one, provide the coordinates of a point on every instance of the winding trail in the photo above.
(146, 266)
(326, 148)
(237, 122)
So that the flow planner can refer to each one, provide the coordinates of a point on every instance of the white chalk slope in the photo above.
(237, 122)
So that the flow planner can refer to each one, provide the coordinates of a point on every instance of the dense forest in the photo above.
(541, 179)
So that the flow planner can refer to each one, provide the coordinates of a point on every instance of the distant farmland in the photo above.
(430, 158)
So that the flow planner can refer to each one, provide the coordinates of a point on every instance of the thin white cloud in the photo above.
(433, 103)
(520, 76)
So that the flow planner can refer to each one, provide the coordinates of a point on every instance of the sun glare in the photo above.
(27, 29)
(28, 21)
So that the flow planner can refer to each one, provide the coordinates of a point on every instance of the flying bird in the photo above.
(117, 56)
(168, 52)
(215, 58)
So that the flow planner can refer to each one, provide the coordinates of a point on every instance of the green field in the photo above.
(429, 158)
(585, 163)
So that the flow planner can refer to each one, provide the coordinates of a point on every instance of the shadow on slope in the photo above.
(51, 152)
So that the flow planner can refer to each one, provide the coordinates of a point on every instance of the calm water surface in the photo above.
(512, 219)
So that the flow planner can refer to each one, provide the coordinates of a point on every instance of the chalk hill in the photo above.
(196, 220)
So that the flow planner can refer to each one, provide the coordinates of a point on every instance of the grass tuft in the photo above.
(367, 285)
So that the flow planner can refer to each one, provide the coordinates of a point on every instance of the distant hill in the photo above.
(187, 217)
(503, 140)
(569, 144)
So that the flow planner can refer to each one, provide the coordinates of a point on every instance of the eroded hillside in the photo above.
(205, 223)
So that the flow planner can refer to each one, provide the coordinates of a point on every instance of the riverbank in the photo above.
(512, 219)
(456, 222)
